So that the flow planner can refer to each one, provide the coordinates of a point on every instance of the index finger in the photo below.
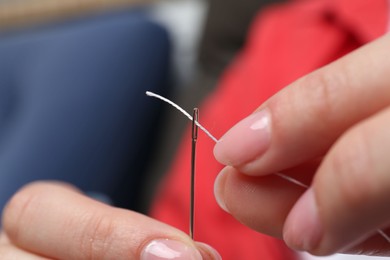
(57, 222)
(302, 121)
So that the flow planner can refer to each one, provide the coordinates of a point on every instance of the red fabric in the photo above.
(286, 42)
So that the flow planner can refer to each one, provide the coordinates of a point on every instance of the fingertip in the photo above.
(245, 141)
(219, 188)
(207, 252)
(219, 152)
(160, 249)
(303, 229)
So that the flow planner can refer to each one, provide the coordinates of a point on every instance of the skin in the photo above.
(55, 221)
(329, 129)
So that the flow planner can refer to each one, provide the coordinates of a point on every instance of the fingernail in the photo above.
(245, 141)
(169, 249)
(209, 252)
(303, 229)
(219, 186)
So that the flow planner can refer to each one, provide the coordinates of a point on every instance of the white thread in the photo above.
(384, 235)
(286, 177)
(151, 94)
(292, 180)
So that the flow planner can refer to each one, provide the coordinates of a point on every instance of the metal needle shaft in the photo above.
(194, 138)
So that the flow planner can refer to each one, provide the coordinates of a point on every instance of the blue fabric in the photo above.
(73, 104)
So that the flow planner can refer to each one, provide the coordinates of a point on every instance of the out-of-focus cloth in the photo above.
(226, 26)
(24, 13)
(184, 21)
(73, 105)
(285, 43)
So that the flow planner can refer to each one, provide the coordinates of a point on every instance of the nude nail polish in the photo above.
(161, 249)
(210, 252)
(219, 185)
(245, 141)
(303, 229)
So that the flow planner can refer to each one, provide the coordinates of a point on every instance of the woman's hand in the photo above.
(331, 130)
(55, 221)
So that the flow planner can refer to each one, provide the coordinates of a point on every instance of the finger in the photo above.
(60, 223)
(268, 199)
(11, 252)
(348, 200)
(208, 252)
(3, 239)
(303, 121)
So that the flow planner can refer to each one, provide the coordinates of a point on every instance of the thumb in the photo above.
(57, 222)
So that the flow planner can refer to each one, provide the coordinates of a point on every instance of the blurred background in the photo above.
(73, 76)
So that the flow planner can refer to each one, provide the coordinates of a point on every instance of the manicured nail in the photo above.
(246, 141)
(303, 229)
(208, 251)
(169, 249)
(219, 186)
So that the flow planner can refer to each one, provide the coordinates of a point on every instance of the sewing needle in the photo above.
(195, 124)
(194, 137)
